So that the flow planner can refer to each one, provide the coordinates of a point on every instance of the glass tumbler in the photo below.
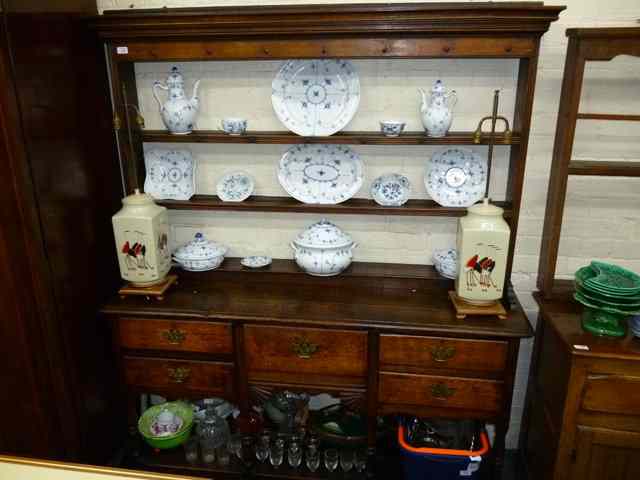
(346, 460)
(361, 460)
(191, 449)
(208, 451)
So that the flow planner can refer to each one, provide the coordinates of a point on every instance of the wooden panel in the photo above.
(608, 116)
(436, 391)
(156, 374)
(328, 352)
(606, 169)
(344, 138)
(359, 206)
(612, 394)
(450, 353)
(267, 49)
(176, 335)
(606, 454)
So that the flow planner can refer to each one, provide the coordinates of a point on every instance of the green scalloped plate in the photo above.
(584, 274)
(614, 278)
(605, 308)
(605, 299)
(603, 323)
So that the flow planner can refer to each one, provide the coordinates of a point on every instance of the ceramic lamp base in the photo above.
(158, 290)
(602, 323)
(464, 308)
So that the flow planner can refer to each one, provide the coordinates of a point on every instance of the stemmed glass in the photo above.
(276, 453)
(294, 454)
(262, 446)
(346, 460)
(312, 457)
(361, 460)
(331, 459)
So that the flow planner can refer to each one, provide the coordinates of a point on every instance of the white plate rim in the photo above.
(231, 174)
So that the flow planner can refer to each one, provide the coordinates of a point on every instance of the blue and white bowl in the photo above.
(445, 262)
(391, 128)
(634, 325)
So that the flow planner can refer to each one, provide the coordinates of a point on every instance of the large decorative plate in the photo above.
(456, 177)
(316, 97)
(170, 174)
(326, 174)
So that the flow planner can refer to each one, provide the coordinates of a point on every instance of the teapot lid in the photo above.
(485, 209)
(323, 234)
(438, 87)
(138, 198)
(200, 249)
(175, 76)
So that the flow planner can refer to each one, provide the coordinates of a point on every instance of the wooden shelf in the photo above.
(360, 206)
(608, 116)
(345, 138)
(605, 169)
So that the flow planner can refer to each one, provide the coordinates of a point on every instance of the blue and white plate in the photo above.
(235, 187)
(456, 177)
(316, 97)
(256, 261)
(324, 174)
(391, 190)
(170, 174)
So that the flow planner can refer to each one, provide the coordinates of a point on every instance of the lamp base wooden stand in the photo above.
(156, 290)
(463, 308)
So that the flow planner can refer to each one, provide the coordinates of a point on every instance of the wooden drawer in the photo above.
(157, 374)
(175, 335)
(303, 351)
(433, 352)
(612, 394)
(436, 391)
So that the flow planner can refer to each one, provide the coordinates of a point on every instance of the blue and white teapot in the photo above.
(178, 112)
(437, 111)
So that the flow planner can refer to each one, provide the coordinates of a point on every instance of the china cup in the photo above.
(391, 128)
(234, 126)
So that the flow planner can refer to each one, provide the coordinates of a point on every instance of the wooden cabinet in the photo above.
(385, 332)
(602, 453)
(584, 415)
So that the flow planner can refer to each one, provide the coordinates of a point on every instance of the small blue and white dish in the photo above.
(391, 190)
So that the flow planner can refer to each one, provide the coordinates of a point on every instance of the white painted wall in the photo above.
(602, 215)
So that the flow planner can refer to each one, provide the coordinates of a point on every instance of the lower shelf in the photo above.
(173, 461)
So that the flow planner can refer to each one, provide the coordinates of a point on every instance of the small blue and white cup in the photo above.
(391, 128)
(234, 126)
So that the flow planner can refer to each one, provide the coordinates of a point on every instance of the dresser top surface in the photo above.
(360, 298)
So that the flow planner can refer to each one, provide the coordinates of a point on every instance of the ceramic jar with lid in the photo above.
(483, 244)
(141, 230)
(323, 249)
(200, 254)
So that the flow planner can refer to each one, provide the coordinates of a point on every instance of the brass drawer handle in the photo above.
(174, 336)
(442, 391)
(303, 348)
(178, 374)
(442, 353)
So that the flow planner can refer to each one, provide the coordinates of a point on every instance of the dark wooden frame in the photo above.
(585, 45)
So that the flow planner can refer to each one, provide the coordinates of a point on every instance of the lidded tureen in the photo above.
(323, 249)
(200, 254)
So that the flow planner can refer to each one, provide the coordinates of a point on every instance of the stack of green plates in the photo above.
(610, 294)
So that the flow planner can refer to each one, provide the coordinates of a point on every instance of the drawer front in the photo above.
(435, 391)
(175, 335)
(612, 394)
(306, 351)
(215, 378)
(433, 352)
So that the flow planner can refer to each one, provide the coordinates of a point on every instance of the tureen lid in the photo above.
(200, 249)
(485, 209)
(323, 234)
